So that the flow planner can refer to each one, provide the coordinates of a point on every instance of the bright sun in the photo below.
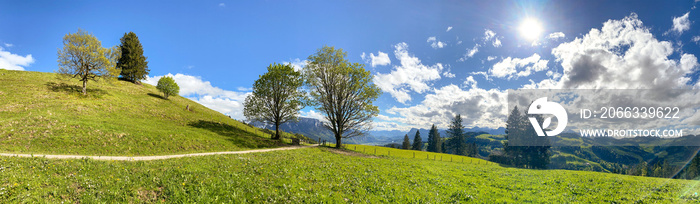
(530, 29)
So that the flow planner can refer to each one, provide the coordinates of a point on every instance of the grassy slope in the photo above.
(41, 113)
(315, 175)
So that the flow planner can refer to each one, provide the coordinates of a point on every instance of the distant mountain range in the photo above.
(313, 129)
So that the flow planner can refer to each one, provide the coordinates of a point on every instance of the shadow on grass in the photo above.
(75, 89)
(157, 96)
(238, 136)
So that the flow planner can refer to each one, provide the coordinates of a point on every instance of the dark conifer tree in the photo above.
(434, 140)
(406, 143)
(132, 63)
(457, 140)
(417, 141)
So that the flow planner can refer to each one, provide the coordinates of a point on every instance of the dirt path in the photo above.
(146, 158)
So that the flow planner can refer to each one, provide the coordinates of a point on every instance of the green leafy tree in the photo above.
(84, 58)
(417, 142)
(434, 140)
(406, 142)
(277, 97)
(168, 86)
(342, 91)
(457, 140)
(132, 63)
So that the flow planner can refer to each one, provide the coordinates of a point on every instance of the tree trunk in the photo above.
(84, 87)
(337, 141)
(277, 132)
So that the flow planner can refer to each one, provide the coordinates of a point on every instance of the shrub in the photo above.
(168, 86)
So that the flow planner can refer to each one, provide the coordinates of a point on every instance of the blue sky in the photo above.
(432, 59)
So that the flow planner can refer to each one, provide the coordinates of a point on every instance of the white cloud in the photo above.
(508, 67)
(696, 39)
(411, 75)
(381, 59)
(434, 43)
(489, 35)
(312, 114)
(448, 73)
(202, 92)
(496, 43)
(222, 5)
(556, 35)
(11, 61)
(297, 63)
(478, 107)
(8, 45)
(470, 53)
(448, 29)
(240, 88)
(681, 23)
(490, 58)
(622, 55)
(486, 75)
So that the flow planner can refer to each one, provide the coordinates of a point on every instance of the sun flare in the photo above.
(530, 29)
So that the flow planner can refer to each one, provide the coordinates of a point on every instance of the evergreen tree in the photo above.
(132, 63)
(537, 152)
(514, 128)
(417, 141)
(457, 141)
(434, 140)
(406, 143)
(522, 145)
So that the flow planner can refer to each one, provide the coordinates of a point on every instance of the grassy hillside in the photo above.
(318, 175)
(393, 152)
(41, 113)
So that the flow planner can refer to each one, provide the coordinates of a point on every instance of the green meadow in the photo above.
(321, 175)
(41, 113)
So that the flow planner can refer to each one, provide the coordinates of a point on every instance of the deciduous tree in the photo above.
(84, 58)
(168, 86)
(277, 97)
(342, 91)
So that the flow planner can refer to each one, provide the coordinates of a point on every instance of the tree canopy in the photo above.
(277, 96)
(168, 86)
(84, 58)
(342, 91)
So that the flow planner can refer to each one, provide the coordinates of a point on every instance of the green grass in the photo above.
(41, 113)
(393, 152)
(316, 175)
